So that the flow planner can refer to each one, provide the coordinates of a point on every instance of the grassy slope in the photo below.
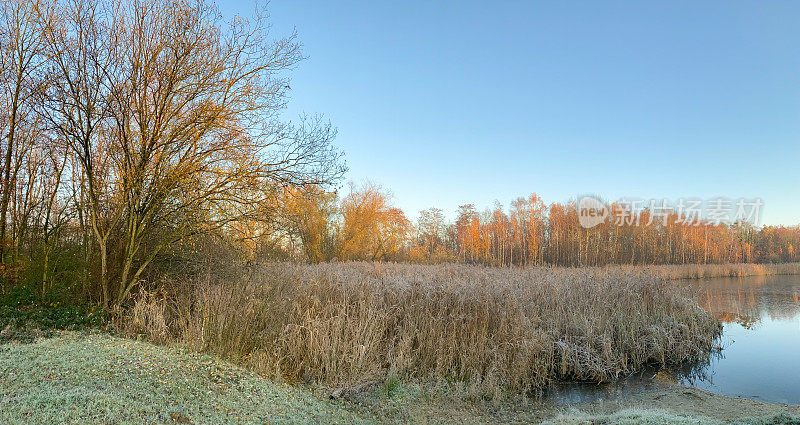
(94, 378)
(97, 378)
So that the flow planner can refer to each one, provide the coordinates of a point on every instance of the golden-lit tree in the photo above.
(528, 221)
(309, 213)
(372, 229)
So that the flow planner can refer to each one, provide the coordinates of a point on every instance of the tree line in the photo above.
(364, 225)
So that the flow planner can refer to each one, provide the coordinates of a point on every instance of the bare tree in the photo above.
(174, 119)
(82, 48)
(22, 42)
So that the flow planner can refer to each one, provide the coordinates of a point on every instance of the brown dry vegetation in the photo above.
(496, 329)
(703, 271)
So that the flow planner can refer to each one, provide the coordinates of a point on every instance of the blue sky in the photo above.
(446, 103)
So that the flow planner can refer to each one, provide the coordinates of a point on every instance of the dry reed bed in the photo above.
(703, 271)
(496, 329)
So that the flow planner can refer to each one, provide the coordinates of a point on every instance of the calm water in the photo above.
(760, 358)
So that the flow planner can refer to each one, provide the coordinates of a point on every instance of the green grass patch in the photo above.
(25, 315)
(25, 323)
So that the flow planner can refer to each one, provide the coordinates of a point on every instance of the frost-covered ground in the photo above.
(96, 378)
(100, 379)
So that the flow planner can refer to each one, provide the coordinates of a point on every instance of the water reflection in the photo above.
(760, 346)
(747, 301)
(761, 358)
(650, 378)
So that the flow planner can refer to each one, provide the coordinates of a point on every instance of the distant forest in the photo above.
(364, 225)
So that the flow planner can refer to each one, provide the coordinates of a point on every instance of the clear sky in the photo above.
(453, 102)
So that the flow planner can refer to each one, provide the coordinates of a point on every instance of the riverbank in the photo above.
(90, 377)
(678, 405)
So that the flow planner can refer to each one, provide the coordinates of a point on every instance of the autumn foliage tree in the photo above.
(534, 233)
(171, 120)
(309, 214)
(372, 229)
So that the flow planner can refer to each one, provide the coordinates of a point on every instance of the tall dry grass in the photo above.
(703, 271)
(494, 328)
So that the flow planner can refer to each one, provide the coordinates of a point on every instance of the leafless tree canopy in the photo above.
(141, 123)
